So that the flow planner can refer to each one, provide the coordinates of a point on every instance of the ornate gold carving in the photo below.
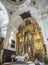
(30, 40)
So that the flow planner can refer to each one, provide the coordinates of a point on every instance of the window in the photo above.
(25, 15)
(13, 44)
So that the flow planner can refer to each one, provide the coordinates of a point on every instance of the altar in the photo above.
(30, 41)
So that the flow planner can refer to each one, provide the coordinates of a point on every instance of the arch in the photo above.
(18, 17)
(4, 20)
(26, 32)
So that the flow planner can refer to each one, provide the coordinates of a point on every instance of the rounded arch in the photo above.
(27, 32)
(18, 17)
(4, 20)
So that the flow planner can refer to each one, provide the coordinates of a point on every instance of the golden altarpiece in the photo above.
(30, 40)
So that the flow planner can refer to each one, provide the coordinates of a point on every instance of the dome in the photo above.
(19, 3)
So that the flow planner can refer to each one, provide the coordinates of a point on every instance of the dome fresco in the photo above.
(18, 3)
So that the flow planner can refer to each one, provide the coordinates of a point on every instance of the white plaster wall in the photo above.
(7, 44)
(45, 31)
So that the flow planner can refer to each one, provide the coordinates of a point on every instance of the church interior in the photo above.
(23, 32)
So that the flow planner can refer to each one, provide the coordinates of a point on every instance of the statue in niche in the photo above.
(28, 43)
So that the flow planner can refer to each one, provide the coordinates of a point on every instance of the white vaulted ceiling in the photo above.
(38, 9)
(13, 5)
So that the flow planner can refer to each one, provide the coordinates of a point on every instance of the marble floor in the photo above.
(32, 63)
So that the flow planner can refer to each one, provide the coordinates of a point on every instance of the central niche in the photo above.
(30, 40)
